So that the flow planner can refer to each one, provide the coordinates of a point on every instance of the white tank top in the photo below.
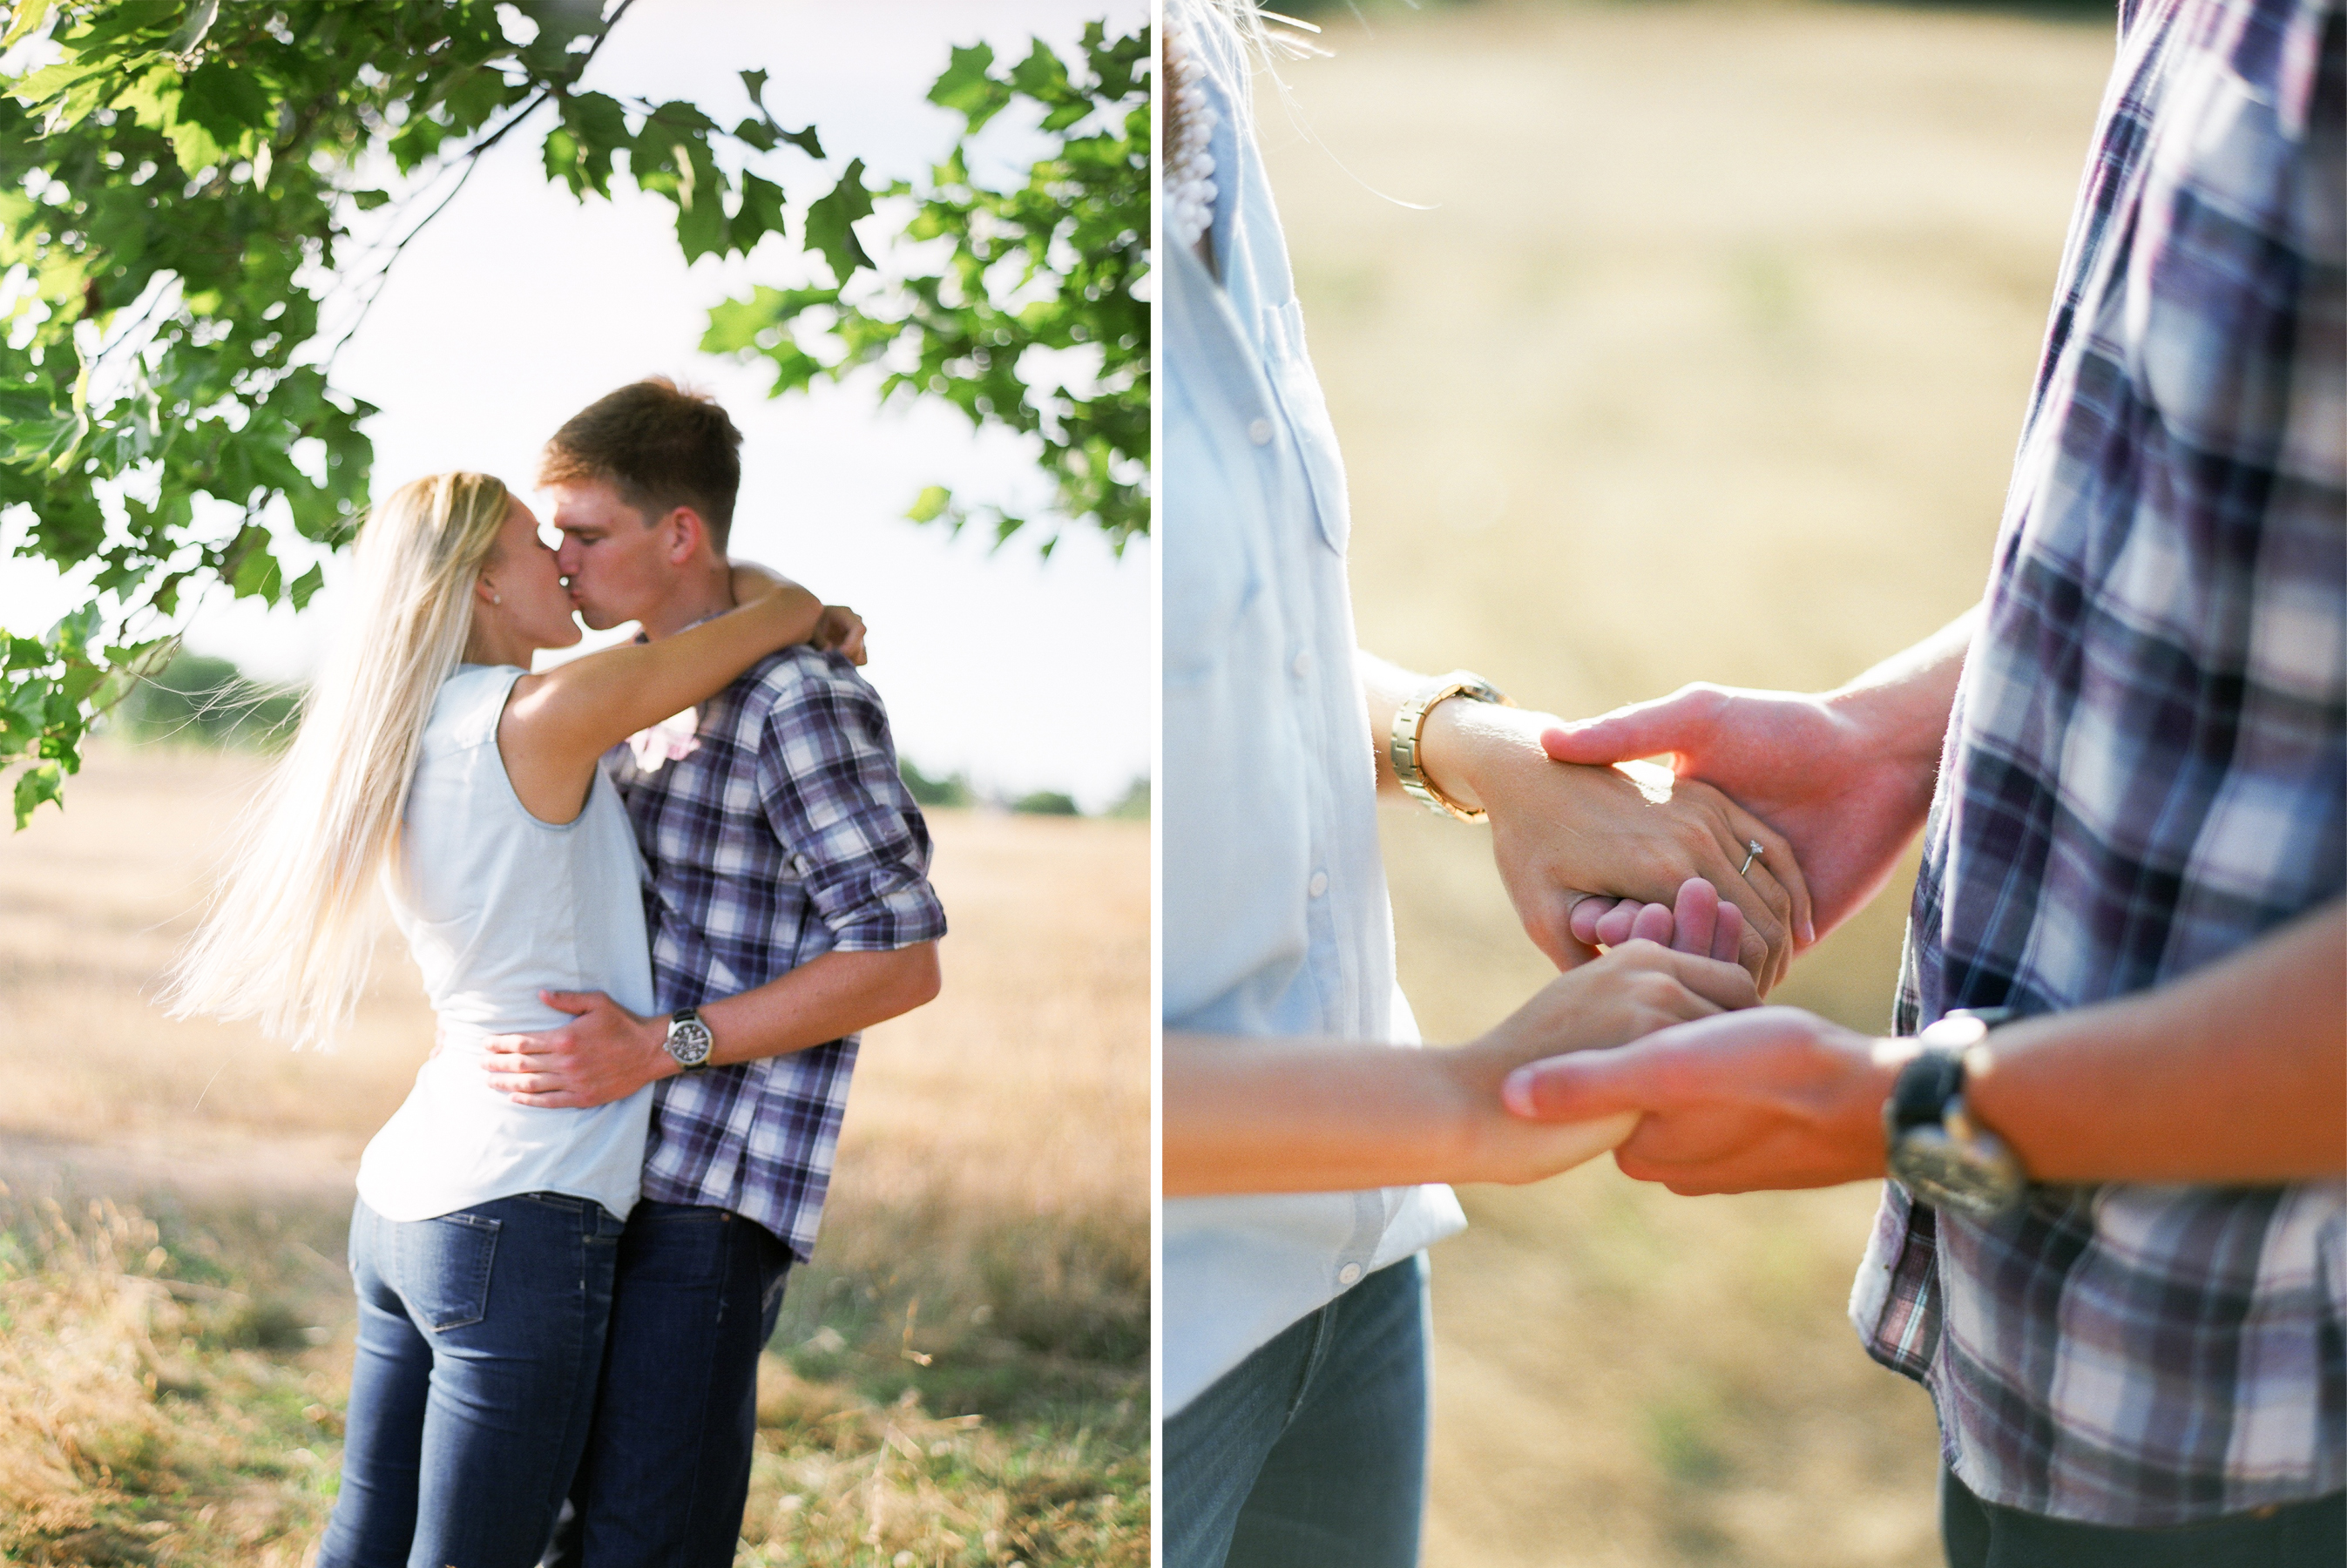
(495, 907)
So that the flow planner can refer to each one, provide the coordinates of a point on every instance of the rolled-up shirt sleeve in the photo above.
(828, 783)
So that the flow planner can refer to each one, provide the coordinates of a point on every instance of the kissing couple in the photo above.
(650, 963)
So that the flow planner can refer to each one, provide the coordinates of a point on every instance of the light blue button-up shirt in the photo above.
(1275, 914)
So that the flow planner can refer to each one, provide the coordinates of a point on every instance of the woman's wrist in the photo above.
(1466, 747)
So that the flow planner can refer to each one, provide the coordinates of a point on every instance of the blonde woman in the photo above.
(483, 1241)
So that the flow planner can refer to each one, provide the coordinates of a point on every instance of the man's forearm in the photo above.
(2237, 1073)
(1902, 705)
(820, 1002)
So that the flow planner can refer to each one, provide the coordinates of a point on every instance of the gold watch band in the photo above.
(1410, 728)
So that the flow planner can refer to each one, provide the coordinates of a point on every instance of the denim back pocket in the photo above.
(444, 1268)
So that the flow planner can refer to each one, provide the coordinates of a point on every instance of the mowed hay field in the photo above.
(1701, 355)
(961, 1374)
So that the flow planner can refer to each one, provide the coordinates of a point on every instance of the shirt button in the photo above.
(1302, 665)
(1260, 431)
(1319, 885)
(1350, 1275)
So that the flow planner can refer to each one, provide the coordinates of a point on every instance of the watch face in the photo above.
(1945, 1174)
(688, 1040)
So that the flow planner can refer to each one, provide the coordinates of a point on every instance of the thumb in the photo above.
(1581, 1087)
(1669, 726)
(573, 1002)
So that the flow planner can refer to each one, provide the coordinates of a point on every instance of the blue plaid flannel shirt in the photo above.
(2147, 769)
(784, 834)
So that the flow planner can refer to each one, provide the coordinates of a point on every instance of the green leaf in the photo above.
(967, 86)
(830, 223)
(22, 707)
(930, 505)
(227, 107)
(368, 200)
(308, 583)
(257, 573)
(51, 80)
(70, 638)
(26, 16)
(761, 213)
(41, 782)
(1043, 76)
(735, 324)
(79, 680)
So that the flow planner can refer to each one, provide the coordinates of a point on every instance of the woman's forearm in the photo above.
(1250, 1115)
(1256, 1115)
(590, 705)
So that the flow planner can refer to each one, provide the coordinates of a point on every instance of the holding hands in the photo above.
(1563, 835)
(1272, 1116)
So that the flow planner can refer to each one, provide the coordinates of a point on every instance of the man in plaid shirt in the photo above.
(2138, 845)
(788, 907)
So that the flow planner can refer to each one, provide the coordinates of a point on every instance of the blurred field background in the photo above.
(1706, 363)
(960, 1377)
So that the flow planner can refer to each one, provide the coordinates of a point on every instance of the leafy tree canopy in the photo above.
(177, 271)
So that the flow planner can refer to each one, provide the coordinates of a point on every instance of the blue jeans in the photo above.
(479, 1334)
(1310, 1454)
(1980, 1534)
(666, 1469)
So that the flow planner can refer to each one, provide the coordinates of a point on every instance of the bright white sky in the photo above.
(517, 307)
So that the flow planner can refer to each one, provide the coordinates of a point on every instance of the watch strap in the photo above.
(1920, 1094)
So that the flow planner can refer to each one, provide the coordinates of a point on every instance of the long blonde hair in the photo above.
(287, 939)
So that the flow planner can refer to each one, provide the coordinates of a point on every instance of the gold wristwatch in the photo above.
(1409, 728)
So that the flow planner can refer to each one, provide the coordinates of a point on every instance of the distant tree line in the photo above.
(204, 701)
(954, 789)
(197, 700)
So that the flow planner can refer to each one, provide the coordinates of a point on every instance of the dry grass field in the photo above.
(1707, 362)
(175, 1322)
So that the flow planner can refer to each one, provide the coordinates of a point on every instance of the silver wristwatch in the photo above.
(689, 1039)
(1936, 1151)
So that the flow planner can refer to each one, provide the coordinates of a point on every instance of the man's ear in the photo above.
(683, 535)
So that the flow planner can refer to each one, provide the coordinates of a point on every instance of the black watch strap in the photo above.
(1920, 1092)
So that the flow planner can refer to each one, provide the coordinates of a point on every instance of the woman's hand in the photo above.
(1631, 992)
(840, 631)
(1563, 833)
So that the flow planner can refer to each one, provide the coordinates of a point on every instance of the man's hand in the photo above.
(1846, 777)
(1631, 992)
(1560, 835)
(1275, 1115)
(840, 631)
(1773, 1098)
(608, 1054)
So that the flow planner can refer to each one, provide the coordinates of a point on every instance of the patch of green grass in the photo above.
(185, 1414)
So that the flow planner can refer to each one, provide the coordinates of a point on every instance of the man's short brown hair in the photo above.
(658, 445)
